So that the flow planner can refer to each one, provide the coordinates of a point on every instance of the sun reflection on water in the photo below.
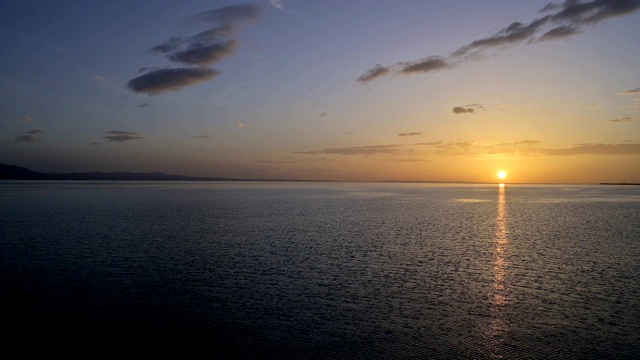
(499, 296)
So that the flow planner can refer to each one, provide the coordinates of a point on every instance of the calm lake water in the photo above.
(320, 270)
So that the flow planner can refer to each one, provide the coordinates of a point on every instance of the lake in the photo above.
(288, 270)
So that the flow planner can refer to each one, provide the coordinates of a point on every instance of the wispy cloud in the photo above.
(591, 149)
(416, 133)
(562, 21)
(30, 136)
(432, 143)
(462, 147)
(635, 91)
(277, 4)
(122, 136)
(203, 49)
(26, 119)
(624, 120)
(359, 150)
(200, 137)
(97, 77)
(326, 114)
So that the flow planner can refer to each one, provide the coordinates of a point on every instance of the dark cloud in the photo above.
(165, 80)
(200, 137)
(144, 105)
(468, 109)
(204, 54)
(360, 150)
(374, 73)
(432, 63)
(559, 32)
(26, 119)
(326, 114)
(462, 110)
(96, 144)
(30, 136)
(595, 11)
(204, 48)
(566, 19)
(122, 136)
(512, 34)
(416, 133)
(168, 45)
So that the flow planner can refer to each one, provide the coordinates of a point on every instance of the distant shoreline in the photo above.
(18, 173)
(622, 183)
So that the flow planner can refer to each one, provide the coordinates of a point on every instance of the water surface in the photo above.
(321, 270)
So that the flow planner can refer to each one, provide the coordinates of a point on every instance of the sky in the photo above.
(343, 90)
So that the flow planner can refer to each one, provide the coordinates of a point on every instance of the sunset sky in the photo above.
(438, 90)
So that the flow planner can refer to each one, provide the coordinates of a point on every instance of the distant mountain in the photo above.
(12, 172)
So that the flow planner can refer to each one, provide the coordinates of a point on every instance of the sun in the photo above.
(502, 174)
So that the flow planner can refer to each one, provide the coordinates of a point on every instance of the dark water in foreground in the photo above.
(320, 271)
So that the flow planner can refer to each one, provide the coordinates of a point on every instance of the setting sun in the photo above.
(502, 174)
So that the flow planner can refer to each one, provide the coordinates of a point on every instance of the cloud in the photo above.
(174, 43)
(432, 143)
(165, 80)
(623, 120)
(202, 49)
(30, 136)
(26, 119)
(522, 142)
(96, 144)
(97, 77)
(361, 150)
(232, 15)
(432, 63)
(515, 33)
(468, 109)
(144, 105)
(461, 110)
(200, 137)
(559, 32)
(122, 136)
(591, 149)
(374, 73)
(635, 91)
(417, 133)
(242, 125)
(564, 20)
(277, 4)
(326, 114)
(204, 54)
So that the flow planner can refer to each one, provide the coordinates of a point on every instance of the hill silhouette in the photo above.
(13, 172)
